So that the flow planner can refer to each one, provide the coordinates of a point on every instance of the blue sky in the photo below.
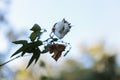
(91, 19)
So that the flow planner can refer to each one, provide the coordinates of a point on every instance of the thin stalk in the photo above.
(11, 60)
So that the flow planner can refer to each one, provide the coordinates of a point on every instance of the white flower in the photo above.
(60, 29)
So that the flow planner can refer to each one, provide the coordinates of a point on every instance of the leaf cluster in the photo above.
(33, 46)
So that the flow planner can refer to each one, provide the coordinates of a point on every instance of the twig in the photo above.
(11, 60)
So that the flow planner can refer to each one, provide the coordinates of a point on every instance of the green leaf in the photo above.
(35, 44)
(55, 39)
(38, 43)
(37, 54)
(31, 47)
(36, 28)
(30, 62)
(20, 42)
(18, 51)
(34, 35)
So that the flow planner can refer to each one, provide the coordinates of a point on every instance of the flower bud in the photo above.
(60, 29)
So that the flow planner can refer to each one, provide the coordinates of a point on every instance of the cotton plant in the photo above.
(53, 45)
(60, 29)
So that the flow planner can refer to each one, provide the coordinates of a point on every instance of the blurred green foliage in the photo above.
(104, 68)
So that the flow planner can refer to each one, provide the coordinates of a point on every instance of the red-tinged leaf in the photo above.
(57, 49)
(60, 47)
(52, 48)
(56, 56)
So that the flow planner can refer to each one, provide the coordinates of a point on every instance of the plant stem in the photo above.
(11, 60)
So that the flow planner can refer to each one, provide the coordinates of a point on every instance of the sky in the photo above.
(92, 20)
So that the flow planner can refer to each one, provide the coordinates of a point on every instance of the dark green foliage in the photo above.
(31, 47)
(33, 36)
(36, 28)
(24, 42)
(55, 39)
(43, 78)
(27, 47)
(35, 56)
(22, 49)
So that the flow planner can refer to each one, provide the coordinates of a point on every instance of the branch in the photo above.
(11, 60)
